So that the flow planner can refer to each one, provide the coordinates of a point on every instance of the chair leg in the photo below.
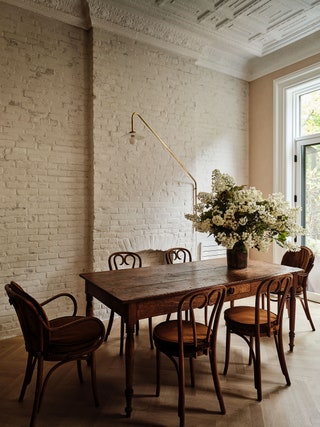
(157, 373)
(305, 305)
(181, 380)
(121, 336)
(79, 368)
(227, 354)
(251, 351)
(257, 369)
(93, 379)
(150, 332)
(36, 402)
(28, 375)
(192, 372)
(282, 360)
(216, 380)
(109, 325)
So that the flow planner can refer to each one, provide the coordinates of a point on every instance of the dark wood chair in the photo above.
(118, 261)
(63, 339)
(253, 323)
(178, 255)
(180, 339)
(175, 255)
(303, 259)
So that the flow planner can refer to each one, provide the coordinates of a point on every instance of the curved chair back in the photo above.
(272, 318)
(32, 318)
(303, 259)
(198, 342)
(175, 255)
(119, 260)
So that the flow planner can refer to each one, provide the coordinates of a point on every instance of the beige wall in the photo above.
(261, 132)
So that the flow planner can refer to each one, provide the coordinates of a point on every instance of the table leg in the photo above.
(129, 355)
(89, 307)
(292, 316)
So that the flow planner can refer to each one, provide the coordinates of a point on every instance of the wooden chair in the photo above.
(63, 339)
(253, 323)
(178, 255)
(174, 255)
(118, 261)
(303, 259)
(180, 339)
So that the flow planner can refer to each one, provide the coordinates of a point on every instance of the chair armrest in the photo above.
(63, 294)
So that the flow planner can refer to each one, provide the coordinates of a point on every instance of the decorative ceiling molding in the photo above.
(245, 39)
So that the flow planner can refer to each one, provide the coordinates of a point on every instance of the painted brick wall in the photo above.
(43, 159)
(72, 191)
(141, 193)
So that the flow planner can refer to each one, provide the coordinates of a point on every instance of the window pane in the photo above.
(312, 196)
(310, 113)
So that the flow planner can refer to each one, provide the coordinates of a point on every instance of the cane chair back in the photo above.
(188, 339)
(253, 323)
(63, 339)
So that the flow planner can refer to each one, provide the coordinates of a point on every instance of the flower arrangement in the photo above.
(236, 215)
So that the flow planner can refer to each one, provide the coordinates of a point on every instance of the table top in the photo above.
(150, 283)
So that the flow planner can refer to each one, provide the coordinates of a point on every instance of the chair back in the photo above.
(32, 318)
(302, 259)
(175, 255)
(191, 302)
(120, 260)
(272, 311)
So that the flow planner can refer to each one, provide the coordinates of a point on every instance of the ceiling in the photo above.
(243, 38)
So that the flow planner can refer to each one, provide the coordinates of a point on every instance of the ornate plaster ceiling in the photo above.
(244, 38)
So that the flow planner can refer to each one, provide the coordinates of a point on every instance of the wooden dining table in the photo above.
(152, 291)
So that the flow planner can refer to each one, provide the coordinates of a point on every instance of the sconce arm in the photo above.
(168, 149)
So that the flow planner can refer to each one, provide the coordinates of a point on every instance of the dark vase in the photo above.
(237, 257)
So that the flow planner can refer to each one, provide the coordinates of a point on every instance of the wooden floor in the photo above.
(67, 403)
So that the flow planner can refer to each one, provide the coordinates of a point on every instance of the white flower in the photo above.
(237, 214)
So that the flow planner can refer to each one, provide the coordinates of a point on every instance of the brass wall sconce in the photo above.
(133, 138)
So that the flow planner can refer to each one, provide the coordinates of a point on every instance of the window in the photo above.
(297, 150)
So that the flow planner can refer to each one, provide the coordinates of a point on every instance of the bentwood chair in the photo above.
(253, 323)
(187, 339)
(175, 255)
(303, 259)
(178, 255)
(118, 261)
(61, 340)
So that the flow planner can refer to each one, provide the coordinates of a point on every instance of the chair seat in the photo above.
(242, 318)
(72, 339)
(165, 335)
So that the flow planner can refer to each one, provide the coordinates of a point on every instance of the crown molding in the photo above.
(129, 19)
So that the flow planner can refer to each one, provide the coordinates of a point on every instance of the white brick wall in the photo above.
(137, 195)
(43, 159)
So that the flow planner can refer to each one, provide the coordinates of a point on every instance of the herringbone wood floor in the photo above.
(69, 404)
